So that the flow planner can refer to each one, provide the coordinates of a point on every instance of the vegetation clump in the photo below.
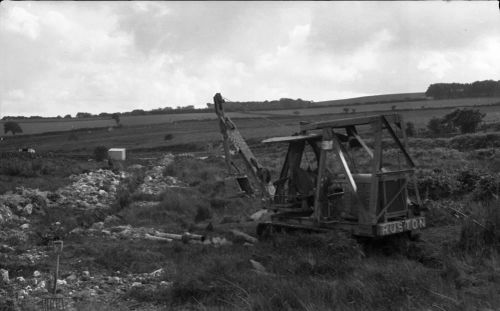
(100, 153)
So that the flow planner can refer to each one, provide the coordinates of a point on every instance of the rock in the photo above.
(20, 279)
(114, 280)
(6, 249)
(260, 215)
(5, 214)
(41, 285)
(85, 274)
(62, 282)
(136, 284)
(157, 273)
(72, 277)
(4, 275)
(77, 230)
(92, 292)
(25, 226)
(217, 241)
(22, 293)
(36, 274)
(28, 209)
(97, 225)
(111, 220)
(166, 284)
(135, 167)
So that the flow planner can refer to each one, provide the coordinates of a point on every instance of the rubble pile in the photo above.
(91, 190)
(154, 181)
(79, 285)
(21, 203)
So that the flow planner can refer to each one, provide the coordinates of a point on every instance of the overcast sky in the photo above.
(65, 57)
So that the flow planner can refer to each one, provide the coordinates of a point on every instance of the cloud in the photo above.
(65, 57)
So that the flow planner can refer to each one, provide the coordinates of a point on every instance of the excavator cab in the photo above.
(333, 178)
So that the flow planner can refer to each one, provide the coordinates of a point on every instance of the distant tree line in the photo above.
(486, 88)
(282, 103)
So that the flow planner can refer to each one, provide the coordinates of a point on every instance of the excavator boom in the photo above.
(232, 136)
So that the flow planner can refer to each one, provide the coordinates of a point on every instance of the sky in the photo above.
(59, 58)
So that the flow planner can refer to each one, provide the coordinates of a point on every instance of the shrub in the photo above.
(100, 153)
(486, 188)
(468, 180)
(480, 234)
(13, 127)
(168, 137)
(202, 213)
(436, 184)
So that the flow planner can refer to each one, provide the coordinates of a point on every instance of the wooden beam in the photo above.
(338, 149)
(351, 130)
(398, 142)
(325, 148)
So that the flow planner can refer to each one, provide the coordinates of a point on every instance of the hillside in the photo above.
(374, 99)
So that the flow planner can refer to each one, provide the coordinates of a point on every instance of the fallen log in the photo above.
(181, 237)
(156, 238)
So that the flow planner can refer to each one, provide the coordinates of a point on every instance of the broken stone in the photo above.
(37, 274)
(259, 215)
(111, 220)
(5, 214)
(28, 209)
(157, 273)
(136, 284)
(62, 282)
(4, 274)
(20, 279)
(98, 226)
(72, 277)
(25, 226)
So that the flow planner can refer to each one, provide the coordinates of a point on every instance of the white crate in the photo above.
(117, 154)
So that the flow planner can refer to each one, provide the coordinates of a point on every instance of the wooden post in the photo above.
(326, 146)
(370, 216)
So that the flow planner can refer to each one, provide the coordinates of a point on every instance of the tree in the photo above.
(467, 120)
(116, 116)
(393, 107)
(83, 115)
(68, 116)
(436, 126)
(13, 127)
(346, 110)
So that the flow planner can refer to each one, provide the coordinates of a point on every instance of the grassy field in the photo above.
(454, 266)
(403, 105)
(415, 111)
(374, 98)
(53, 125)
(193, 135)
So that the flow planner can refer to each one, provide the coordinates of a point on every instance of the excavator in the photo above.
(352, 174)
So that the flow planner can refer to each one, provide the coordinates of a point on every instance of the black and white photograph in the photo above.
(249, 155)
